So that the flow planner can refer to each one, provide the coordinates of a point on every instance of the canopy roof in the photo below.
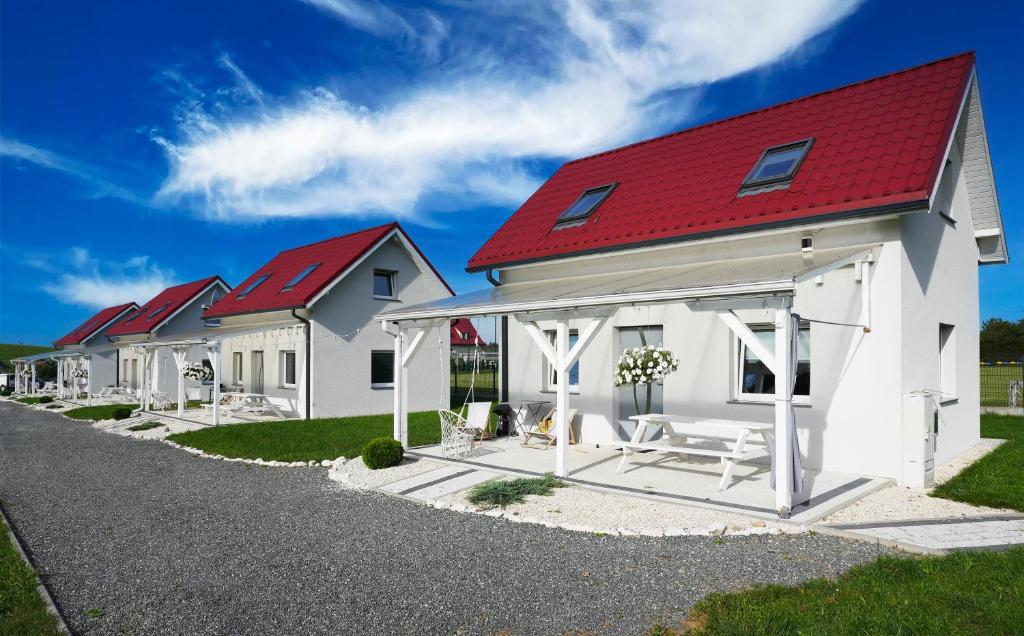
(742, 277)
(35, 357)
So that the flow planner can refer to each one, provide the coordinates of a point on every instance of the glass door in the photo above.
(256, 381)
(629, 338)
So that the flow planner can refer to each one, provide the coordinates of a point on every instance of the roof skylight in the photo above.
(778, 164)
(157, 312)
(300, 277)
(585, 204)
(136, 313)
(253, 285)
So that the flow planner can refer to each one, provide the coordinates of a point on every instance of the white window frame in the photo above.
(237, 368)
(393, 275)
(947, 363)
(282, 368)
(550, 385)
(382, 385)
(739, 350)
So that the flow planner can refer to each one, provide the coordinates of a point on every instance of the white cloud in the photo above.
(99, 186)
(96, 283)
(618, 72)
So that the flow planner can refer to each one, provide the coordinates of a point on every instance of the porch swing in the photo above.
(460, 429)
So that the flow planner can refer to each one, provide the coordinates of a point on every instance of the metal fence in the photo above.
(1002, 383)
(485, 385)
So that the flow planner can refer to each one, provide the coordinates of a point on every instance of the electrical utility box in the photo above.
(920, 428)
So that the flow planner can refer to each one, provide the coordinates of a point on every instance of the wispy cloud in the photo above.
(98, 186)
(610, 73)
(96, 283)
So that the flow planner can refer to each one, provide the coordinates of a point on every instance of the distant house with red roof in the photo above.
(173, 315)
(863, 211)
(310, 342)
(87, 345)
(464, 336)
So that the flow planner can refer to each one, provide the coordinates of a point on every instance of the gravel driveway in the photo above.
(135, 537)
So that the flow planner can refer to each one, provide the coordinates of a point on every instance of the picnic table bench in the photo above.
(678, 429)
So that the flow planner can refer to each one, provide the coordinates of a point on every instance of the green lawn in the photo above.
(29, 400)
(996, 479)
(97, 413)
(963, 593)
(22, 610)
(8, 351)
(302, 440)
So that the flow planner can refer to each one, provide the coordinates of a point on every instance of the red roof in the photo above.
(332, 257)
(168, 302)
(464, 333)
(878, 145)
(94, 324)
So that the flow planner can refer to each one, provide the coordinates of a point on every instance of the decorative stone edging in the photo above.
(242, 460)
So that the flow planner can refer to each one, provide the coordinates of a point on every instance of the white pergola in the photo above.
(67, 363)
(722, 287)
(25, 372)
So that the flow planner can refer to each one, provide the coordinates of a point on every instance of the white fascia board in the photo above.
(413, 252)
(961, 110)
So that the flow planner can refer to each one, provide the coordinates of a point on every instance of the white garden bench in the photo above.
(679, 429)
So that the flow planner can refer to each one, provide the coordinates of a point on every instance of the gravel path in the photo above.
(135, 537)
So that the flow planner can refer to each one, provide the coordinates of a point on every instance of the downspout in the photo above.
(503, 391)
(309, 366)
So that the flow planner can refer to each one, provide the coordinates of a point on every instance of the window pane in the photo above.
(574, 372)
(383, 284)
(289, 367)
(584, 205)
(253, 285)
(778, 163)
(299, 277)
(382, 367)
(757, 379)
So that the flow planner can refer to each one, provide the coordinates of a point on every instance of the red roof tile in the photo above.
(877, 144)
(332, 257)
(464, 333)
(94, 324)
(170, 300)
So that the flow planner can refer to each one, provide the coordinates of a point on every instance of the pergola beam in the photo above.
(748, 338)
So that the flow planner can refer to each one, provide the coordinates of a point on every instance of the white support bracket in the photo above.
(743, 332)
(581, 343)
(537, 334)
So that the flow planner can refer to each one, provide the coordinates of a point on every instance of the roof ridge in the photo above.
(391, 225)
(969, 53)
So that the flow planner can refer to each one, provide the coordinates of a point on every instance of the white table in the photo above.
(678, 429)
(529, 412)
(248, 402)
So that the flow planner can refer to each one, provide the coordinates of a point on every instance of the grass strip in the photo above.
(97, 413)
(995, 479)
(22, 610)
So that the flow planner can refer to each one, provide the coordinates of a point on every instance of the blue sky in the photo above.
(144, 144)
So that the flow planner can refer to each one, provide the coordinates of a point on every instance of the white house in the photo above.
(146, 339)
(300, 329)
(85, 356)
(864, 210)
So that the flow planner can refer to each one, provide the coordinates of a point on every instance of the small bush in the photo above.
(46, 399)
(122, 413)
(145, 426)
(505, 492)
(383, 452)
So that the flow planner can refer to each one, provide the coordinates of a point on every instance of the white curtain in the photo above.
(797, 479)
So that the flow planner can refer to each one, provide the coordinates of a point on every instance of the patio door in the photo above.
(256, 378)
(628, 338)
(135, 374)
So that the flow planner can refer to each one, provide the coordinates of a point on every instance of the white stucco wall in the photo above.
(939, 277)
(271, 343)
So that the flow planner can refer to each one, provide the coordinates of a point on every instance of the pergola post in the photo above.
(213, 352)
(60, 379)
(179, 354)
(783, 412)
(400, 422)
(562, 398)
(33, 365)
(88, 380)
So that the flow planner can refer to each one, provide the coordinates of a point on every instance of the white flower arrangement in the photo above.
(196, 371)
(80, 373)
(643, 366)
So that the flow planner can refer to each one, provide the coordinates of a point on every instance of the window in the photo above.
(236, 368)
(299, 277)
(756, 382)
(585, 205)
(778, 164)
(251, 286)
(382, 369)
(136, 313)
(287, 368)
(947, 363)
(383, 284)
(157, 312)
(574, 372)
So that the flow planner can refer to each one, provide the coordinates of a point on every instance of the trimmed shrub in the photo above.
(46, 399)
(504, 492)
(122, 413)
(383, 452)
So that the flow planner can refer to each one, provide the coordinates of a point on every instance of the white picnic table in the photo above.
(679, 429)
(246, 402)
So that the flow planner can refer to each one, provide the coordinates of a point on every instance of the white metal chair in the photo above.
(455, 434)
(161, 401)
(193, 394)
(545, 429)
